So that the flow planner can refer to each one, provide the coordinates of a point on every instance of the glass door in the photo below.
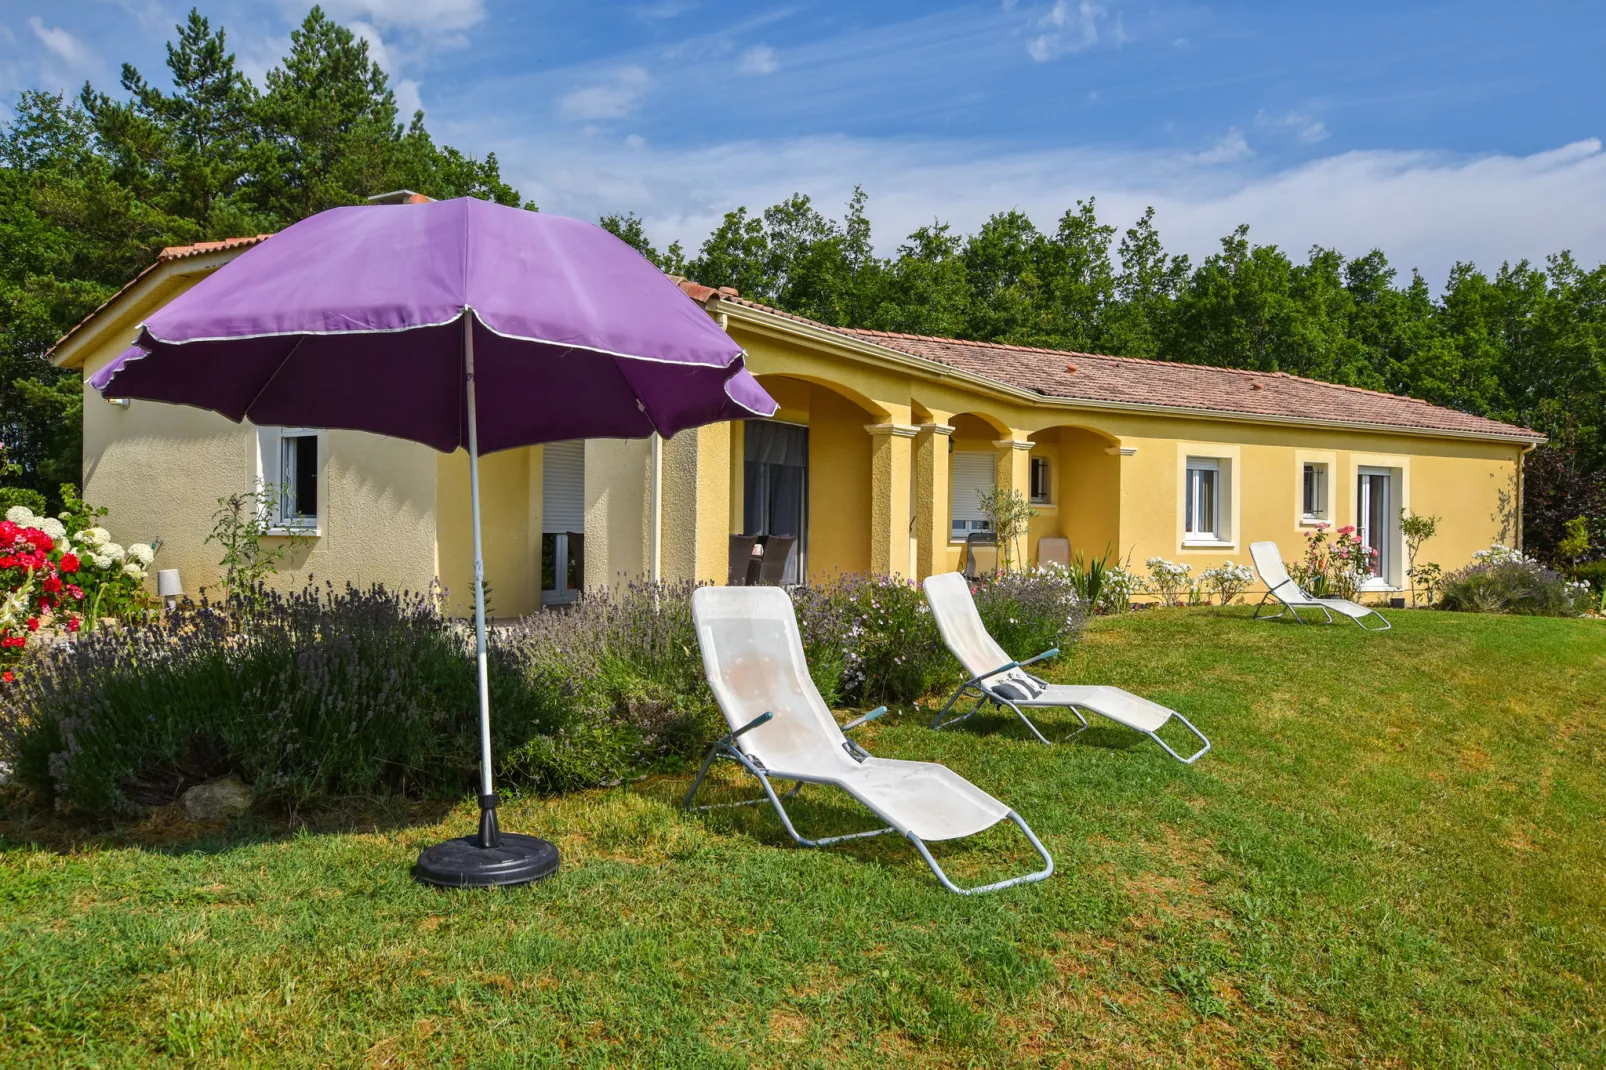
(775, 488)
(1375, 510)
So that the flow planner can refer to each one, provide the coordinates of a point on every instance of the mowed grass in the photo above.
(1392, 855)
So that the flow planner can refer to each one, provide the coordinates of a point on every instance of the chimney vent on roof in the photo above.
(399, 196)
(1256, 386)
(1070, 367)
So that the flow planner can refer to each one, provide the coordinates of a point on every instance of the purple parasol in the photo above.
(351, 319)
(457, 324)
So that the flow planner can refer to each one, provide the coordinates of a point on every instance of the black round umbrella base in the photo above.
(463, 863)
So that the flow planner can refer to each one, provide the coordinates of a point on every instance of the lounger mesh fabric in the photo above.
(1280, 585)
(753, 657)
(968, 639)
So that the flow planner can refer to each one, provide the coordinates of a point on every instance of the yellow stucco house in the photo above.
(873, 463)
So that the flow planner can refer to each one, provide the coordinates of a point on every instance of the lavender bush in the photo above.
(1503, 580)
(355, 692)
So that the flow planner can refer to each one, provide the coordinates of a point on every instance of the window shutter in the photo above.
(972, 472)
(563, 487)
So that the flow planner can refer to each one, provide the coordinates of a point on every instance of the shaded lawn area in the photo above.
(1394, 852)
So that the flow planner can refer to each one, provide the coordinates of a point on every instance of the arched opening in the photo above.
(1075, 489)
(805, 476)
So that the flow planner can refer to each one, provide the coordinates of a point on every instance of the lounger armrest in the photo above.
(989, 675)
(750, 725)
(866, 719)
(1050, 653)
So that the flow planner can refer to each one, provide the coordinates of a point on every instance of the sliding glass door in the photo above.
(775, 488)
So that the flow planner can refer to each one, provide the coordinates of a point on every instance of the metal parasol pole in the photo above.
(490, 834)
(493, 857)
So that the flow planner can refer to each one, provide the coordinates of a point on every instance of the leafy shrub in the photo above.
(869, 639)
(1228, 580)
(1502, 580)
(344, 692)
(1594, 574)
(1030, 612)
(1169, 580)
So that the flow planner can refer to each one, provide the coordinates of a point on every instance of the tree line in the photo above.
(92, 188)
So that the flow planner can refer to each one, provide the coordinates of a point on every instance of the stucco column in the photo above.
(890, 458)
(931, 498)
(696, 504)
(1014, 472)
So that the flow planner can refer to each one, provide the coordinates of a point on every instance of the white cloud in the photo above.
(1067, 28)
(615, 98)
(1424, 209)
(1300, 126)
(760, 59)
(635, 141)
(61, 44)
(1229, 147)
(429, 15)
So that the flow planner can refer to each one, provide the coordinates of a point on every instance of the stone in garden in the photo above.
(217, 800)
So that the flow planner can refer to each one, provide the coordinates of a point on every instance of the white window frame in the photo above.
(1323, 473)
(1226, 460)
(962, 505)
(270, 478)
(1196, 526)
(1046, 466)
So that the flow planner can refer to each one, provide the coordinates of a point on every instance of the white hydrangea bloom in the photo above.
(52, 527)
(132, 569)
(101, 560)
(138, 551)
(20, 514)
(96, 536)
(114, 551)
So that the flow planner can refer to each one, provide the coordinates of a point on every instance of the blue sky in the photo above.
(1436, 131)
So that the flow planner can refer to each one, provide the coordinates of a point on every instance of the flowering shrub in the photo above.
(1030, 612)
(1336, 569)
(1228, 580)
(38, 583)
(869, 639)
(327, 693)
(1120, 584)
(1168, 579)
(1503, 580)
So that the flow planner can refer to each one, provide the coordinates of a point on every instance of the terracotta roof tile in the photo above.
(1148, 383)
(179, 252)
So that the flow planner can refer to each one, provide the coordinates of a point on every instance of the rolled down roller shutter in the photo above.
(973, 475)
(563, 488)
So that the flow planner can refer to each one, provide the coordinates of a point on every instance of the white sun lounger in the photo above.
(1281, 586)
(781, 729)
(996, 677)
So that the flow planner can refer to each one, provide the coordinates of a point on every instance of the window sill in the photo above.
(1209, 544)
(280, 531)
(1314, 521)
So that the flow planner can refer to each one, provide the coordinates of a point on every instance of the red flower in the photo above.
(8, 530)
(76, 591)
(41, 542)
(8, 561)
(72, 624)
(52, 584)
(33, 624)
(7, 676)
(69, 562)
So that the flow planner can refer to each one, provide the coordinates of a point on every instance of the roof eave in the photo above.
(772, 323)
(70, 349)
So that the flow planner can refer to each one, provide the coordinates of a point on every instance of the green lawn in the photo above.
(1393, 854)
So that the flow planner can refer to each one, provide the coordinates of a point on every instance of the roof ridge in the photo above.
(887, 337)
